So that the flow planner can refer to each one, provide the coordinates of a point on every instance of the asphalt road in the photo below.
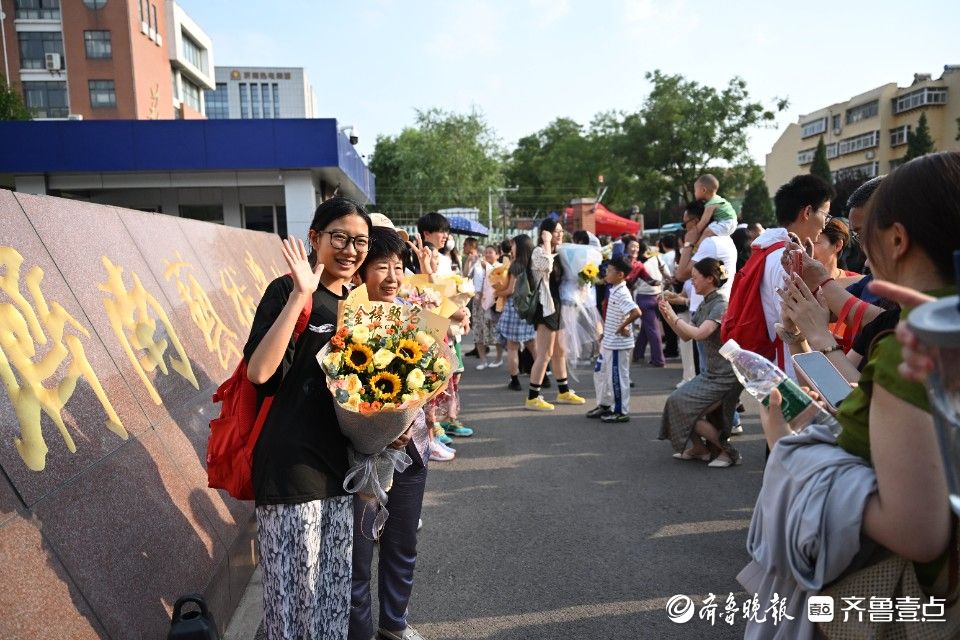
(551, 525)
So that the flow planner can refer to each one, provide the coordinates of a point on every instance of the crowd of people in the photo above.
(873, 475)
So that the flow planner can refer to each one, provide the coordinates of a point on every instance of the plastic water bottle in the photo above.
(760, 377)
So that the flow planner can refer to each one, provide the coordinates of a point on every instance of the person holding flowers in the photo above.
(547, 271)
(382, 272)
(304, 515)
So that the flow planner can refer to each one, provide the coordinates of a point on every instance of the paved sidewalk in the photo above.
(551, 525)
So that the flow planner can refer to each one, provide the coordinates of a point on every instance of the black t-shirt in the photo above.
(885, 322)
(301, 455)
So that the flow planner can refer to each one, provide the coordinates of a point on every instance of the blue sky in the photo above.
(525, 62)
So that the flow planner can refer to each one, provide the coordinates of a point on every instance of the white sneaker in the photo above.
(494, 365)
(482, 366)
(682, 382)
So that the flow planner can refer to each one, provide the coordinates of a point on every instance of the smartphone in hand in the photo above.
(817, 369)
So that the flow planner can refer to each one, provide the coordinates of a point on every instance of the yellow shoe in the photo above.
(569, 398)
(539, 404)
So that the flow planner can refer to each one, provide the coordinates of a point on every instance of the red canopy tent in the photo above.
(608, 223)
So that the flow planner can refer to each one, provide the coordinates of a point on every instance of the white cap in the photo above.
(729, 349)
(380, 220)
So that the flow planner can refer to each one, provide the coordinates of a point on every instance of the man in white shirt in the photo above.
(803, 207)
(718, 247)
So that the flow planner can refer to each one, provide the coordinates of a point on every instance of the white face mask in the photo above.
(451, 244)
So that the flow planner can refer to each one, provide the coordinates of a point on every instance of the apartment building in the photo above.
(867, 135)
(260, 92)
(106, 59)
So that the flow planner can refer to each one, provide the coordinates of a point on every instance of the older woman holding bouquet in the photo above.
(382, 273)
(700, 411)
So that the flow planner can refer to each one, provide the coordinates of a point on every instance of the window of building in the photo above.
(867, 170)
(102, 94)
(896, 163)
(191, 95)
(835, 123)
(205, 212)
(813, 128)
(255, 100)
(140, 7)
(46, 99)
(98, 44)
(244, 104)
(858, 143)
(216, 103)
(176, 87)
(276, 100)
(863, 111)
(259, 218)
(920, 98)
(37, 9)
(832, 151)
(266, 102)
(35, 45)
(94, 4)
(192, 52)
(805, 156)
(154, 25)
(899, 135)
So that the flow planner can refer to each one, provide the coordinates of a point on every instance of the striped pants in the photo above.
(611, 379)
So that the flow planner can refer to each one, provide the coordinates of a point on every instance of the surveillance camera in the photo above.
(354, 136)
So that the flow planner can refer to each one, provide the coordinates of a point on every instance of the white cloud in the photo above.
(467, 29)
(549, 11)
(660, 16)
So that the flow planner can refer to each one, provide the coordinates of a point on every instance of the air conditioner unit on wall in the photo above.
(836, 131)
(52, 61)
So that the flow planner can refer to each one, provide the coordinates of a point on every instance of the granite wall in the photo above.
(116, 327)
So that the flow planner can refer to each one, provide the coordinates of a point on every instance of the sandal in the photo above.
(686, 455)
(725, 460)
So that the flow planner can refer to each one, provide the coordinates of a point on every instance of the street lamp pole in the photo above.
(3, 34)
(500, 191)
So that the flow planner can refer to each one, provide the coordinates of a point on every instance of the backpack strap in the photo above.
(304, 318)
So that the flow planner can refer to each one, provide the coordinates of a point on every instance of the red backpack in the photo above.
(234, 434)
(744, 320)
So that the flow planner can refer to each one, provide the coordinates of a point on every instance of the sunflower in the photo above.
(409, 351)
(358, 356)
(385, 385)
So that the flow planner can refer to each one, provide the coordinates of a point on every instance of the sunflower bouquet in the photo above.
(383, 364)
(458, 288)
(385, 361)
(589, 274)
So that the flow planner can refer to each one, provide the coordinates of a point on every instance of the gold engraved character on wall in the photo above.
(220, 339)
(130, 317)
(256, 272)
(243, 304)
(24, 326)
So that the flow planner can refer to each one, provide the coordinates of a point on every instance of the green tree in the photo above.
(919, 142)
(446, 160)
(820, 165)
(757, 206)
(685, 127)
(563, 161)
(11, 104)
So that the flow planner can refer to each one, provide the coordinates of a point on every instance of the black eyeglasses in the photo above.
(340, 240)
